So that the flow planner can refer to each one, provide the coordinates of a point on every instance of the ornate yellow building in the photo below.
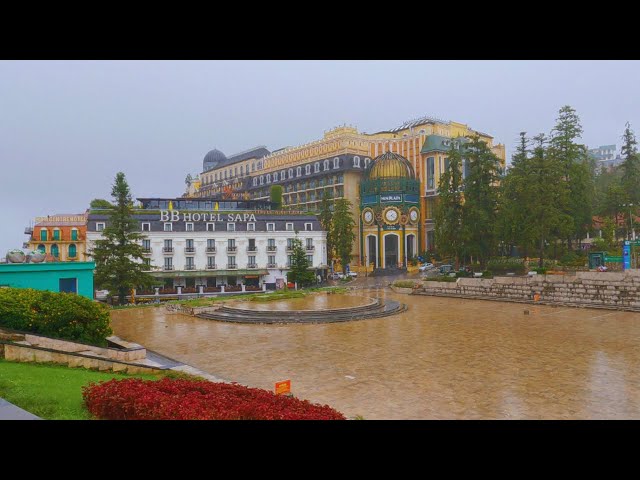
(336, 164)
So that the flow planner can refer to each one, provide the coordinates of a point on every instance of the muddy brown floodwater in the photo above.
(444, 358)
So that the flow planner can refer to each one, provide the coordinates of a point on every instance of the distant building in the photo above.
(605, 157)
(61, 237)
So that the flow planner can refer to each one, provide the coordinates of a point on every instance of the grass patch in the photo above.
(441, 279)
(50, 391)
(270, 297)
(404, 284)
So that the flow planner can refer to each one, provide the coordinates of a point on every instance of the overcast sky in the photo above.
(67, 127)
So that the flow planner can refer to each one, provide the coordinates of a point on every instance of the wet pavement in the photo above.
(444, 358)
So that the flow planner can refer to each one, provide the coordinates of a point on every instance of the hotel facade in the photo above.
(211, 242)
(337, 165)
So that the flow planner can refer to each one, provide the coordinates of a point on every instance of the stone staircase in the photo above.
(376, 309)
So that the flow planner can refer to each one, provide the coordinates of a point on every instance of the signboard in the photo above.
(174, 216)
(391, 227)
(410, 197)
(636, 242)
(397, 197)
(284, 387)
(368, 199)
(626, 257)
(612, 259)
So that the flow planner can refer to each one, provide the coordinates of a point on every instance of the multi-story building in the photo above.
(335, 165)
(605, 157)
(209, 242)
(62, 237)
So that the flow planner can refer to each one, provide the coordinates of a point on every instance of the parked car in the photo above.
(426, 266)
(444, 269)
(353, 274)
(336, 276)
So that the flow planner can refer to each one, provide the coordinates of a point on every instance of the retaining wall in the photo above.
(593, 289)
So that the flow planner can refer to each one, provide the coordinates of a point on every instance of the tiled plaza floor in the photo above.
(444, 358)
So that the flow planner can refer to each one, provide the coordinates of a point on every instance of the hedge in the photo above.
(182, 399)
(60, 315)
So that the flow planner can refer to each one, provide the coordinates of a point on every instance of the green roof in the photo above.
(435, 143)
(210, 273)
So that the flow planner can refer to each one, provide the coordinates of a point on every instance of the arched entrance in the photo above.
(391, 253)
(372, 250)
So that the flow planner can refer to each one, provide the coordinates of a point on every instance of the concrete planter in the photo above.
(402, 290)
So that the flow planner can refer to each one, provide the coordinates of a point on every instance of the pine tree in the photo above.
(299, 270)
(631, 170)
(118, 256)
(342, 231)
(479, 211)
(325, 217)
(448, 210)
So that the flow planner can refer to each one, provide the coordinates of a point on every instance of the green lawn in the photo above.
(53, 392)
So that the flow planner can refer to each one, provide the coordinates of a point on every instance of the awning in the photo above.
(210, 273)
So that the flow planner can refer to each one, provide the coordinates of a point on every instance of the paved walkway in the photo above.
(8, 411)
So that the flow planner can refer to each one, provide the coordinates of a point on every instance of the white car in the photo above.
(353, 274)
(426, 266)
(336, 276)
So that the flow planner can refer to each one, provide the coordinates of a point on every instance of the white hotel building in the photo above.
(211, 242)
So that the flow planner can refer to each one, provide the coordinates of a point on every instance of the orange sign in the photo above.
(283, 387)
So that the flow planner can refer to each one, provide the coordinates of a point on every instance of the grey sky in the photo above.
(67, 127)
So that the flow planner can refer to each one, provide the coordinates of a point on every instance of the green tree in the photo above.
(342, 231)
(480, 207)
(448, 210)
(325, 217)
(118, 256)
(630, 166)
(299, 270)
(100, 203)
(276, 196)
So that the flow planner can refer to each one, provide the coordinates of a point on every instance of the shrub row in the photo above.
(182, 399)
(404, 284)
(60, 315)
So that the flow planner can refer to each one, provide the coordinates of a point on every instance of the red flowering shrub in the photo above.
(178, 399)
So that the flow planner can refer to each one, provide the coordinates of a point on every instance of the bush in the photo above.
(487, 274)
(182, 399)
(441, 279)
(506, 264)
(404, 284)
(463, 274)
(540, 270)
(60, 315)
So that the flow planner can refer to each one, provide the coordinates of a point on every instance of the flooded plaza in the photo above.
(444, 358)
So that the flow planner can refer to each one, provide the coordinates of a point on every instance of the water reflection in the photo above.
(311, 302)
(443, 358)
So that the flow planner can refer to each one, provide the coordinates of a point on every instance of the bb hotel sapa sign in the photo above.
(174, 216)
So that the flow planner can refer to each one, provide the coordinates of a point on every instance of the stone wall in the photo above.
(594, 289)
(133, 352)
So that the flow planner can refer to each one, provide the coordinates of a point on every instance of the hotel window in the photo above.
(271, 243)
(231, 261)
(99, 227)
(252, 260)
(42, 248)
(336, 162)
(299, 171)
(289, 260)
(56, 234)
(251, 227)
(316, 167)
(190, 247)
(168, 227)
(289, 243)
(74, 234)
(271, 260)
(168, 246)
(189, 227)
(309, 243)
(147, 263)
(55, 251)
(430, 173)
(283, 174)
(310, 260)
(291, 173)
(261, 179)
(271, 227)
(146, 227)
(255, 181)
(308, 227)
(289, 227)
(211, 227)
(326, 164)
(231, 244)
(356, 161)
(43, 234)
(72, 251)
(190, 263)
(211, 262)
(168, 263)
(211, 245)
(231, 227)
(268, 178)
(146, 245)
(307, 169)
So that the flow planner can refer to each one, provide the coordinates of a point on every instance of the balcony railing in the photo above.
(289, 248)
(252, 265)
(189, 249)
(146, 251)
(211, 249)
(167, 249)
(272, 265)
(252, 249)
(271, 248)
(232, 266)
(311, 247)
(168, 267)
(232, 249)
(189, 267)
(211, 266)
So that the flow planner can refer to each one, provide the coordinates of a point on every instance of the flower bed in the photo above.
(252, 288)
(178, 399)
(211, 289)
(233, 288)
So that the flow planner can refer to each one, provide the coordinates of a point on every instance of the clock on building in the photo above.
(391, 215)
(414, 215)
(367, 216)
